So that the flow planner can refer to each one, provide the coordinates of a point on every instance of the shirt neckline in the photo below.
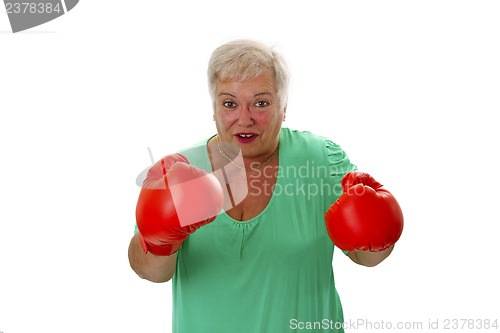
(273, 197)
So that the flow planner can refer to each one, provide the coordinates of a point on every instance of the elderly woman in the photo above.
(264, 263)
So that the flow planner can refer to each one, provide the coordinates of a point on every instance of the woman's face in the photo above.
(247, 113)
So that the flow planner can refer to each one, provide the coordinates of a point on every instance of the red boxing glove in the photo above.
(366, 217)
(176, 199)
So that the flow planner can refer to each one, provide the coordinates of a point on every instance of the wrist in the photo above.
(159, 250)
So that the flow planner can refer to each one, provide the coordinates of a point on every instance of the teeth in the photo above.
(245, 135)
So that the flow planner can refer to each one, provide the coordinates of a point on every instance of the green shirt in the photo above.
(272, 273)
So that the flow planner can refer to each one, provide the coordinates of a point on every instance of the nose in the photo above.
(245, 117)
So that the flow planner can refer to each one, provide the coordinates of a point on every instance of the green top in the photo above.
(272, 273)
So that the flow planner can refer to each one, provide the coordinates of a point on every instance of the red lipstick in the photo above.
(245, 137)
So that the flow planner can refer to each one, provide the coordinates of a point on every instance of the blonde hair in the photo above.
(242, 59)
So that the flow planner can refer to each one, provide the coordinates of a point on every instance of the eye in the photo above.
(262, 104)
(229, 104)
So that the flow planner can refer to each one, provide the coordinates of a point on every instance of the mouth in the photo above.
(245, 137)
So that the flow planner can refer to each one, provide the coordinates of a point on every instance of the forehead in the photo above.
(263, 83)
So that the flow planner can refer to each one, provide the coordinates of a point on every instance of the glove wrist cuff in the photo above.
(159, 250)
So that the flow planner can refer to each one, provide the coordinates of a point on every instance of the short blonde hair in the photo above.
(242, 59)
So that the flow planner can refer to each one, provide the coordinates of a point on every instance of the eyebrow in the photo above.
(228, 94)
(257, 94)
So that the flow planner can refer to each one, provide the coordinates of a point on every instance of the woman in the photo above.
(265, 263)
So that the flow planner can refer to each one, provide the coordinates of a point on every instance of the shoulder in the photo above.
(296, 140)
(307, 145)
(302, 147)
(197, 154)
(294, 134)
(302, 139)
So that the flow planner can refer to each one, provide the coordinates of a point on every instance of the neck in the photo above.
(240, 161)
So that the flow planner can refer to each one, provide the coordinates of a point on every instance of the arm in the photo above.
(368, 258)
(150, 266)
(175, 200)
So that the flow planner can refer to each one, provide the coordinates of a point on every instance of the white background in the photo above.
(408, 88)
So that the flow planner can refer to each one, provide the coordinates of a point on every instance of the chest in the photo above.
(261, 185)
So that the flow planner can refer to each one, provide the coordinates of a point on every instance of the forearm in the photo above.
(370, 259)
(149, 266)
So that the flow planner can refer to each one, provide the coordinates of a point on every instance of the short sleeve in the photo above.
(339, 166)
(339, 163)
